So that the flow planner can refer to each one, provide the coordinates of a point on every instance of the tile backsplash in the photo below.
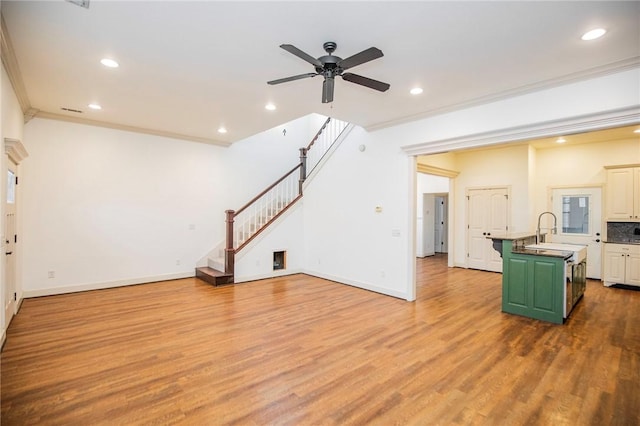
(623, 231)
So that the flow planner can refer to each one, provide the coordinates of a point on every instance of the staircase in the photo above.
(246, 223)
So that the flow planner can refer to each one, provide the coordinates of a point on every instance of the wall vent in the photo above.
(82, 3)
(77, 111)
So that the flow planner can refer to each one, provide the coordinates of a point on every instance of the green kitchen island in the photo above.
(534, 281)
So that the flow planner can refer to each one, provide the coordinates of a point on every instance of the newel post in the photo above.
(303, 168)
(229, 251)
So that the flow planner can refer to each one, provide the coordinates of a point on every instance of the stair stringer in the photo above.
(286, 233)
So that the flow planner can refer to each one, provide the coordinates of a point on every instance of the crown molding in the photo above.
(13, 71)
(126, 128)
(601, 71)
(433, 170)
(621, 166)
(579, 124)
(15, 150)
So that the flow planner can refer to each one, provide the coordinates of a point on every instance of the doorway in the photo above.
(10, 242)
(433, 236)
(10, 294)
(579, 215)
(432, 215)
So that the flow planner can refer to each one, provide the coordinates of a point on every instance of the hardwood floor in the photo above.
(304, 351)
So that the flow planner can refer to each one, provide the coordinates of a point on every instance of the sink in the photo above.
(579, 251)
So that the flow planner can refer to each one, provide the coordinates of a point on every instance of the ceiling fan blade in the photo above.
(302, 55)
(360, 58)
(295, 77)
(364, 81)
(327, 90)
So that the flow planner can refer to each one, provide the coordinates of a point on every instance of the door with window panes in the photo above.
(579, 213)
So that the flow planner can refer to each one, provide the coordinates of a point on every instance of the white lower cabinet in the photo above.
(621, 264)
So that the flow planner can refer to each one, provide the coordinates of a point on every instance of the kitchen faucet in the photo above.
(554, 230)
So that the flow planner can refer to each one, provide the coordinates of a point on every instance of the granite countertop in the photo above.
(512, 236)
(541, 252)
(623, 241)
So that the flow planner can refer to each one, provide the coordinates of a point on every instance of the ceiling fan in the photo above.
(330, 66)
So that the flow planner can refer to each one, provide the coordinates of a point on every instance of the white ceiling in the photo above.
(187, 68)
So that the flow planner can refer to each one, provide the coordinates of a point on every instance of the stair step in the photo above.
(216, 263)
(213, 276)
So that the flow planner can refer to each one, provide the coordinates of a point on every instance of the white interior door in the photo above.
(10, 244)
(497, 223)
(487, 213)
(477, 211)
(441, 223)
(428, 224)
(579, 213)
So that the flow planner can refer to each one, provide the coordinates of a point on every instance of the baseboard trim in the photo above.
(104, 285)
(358, 284)
(166, 277)
(274, 274)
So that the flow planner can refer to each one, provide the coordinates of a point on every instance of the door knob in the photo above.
(8, 252)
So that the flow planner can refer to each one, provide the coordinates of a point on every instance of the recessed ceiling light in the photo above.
(222, 130)
(416, 91)
(636, 131)
(561, 140)
(270, 107)
(95, 106)
(593, 34)
(109, 63)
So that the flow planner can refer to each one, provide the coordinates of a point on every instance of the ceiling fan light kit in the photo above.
(330, 66)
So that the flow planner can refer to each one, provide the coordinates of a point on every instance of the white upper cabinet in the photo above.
(623, 194)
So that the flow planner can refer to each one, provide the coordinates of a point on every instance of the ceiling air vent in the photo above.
(77, 111)
(83, 3)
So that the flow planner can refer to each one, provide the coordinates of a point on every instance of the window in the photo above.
(575, 214)
(11, 187)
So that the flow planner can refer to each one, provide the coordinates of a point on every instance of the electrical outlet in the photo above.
(51, 274)
(177, 262)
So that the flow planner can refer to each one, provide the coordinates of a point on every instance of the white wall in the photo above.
(346, 240)
(105, 207)
(580, 165)
(11, 127)
(256, 162)
(607, 93)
